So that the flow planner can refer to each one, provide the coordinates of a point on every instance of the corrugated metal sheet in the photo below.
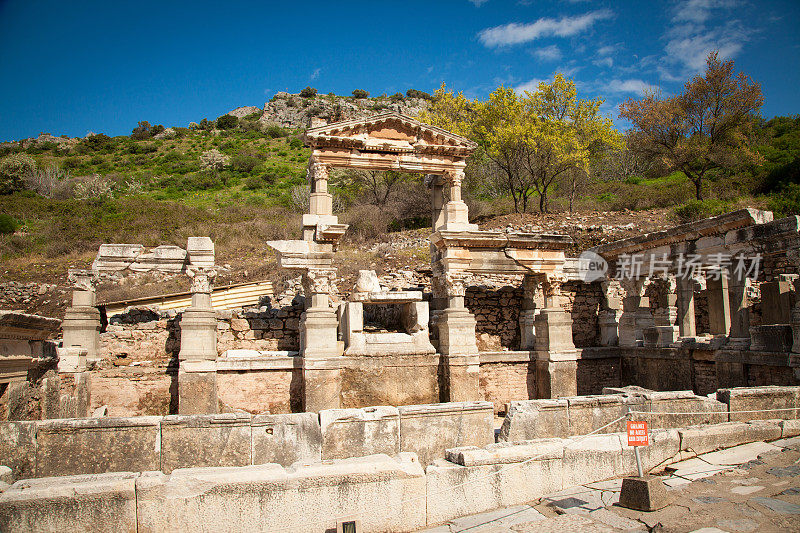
(227, 297)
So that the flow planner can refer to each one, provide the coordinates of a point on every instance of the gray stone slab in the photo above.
(616, 521)
(566, 522)
(502, 518)
(743, 524)
(205, 441)
(18, 448)
(96, 445)
(708, 500)
(784, 471)
(746, 490)
(779, 506)
(285, 439)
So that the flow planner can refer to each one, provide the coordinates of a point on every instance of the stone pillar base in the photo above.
(198, 334)
(81, 329)
(554, 330)
(462, 378)
(660, 336)
(318, 334)
(557, 378)
(322, 385)
(527, 329)
(197, 389)
(457, 332)
(627, 330)
(609, 327)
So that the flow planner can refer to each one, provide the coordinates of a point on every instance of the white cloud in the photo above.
(548, 53)
(604, 62)
(515, 33)
(699, 11)
(700, 28)
(608, 50)
(478, 3)
(630, 86)
(315, 74)
(530, 85)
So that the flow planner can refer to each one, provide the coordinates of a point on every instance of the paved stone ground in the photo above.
(753, 487)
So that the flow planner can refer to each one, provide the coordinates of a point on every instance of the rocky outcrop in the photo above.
(294, 111)
(241, 112)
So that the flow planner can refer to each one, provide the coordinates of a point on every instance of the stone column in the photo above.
(719, 308)
(665, 331)
(457, 342)
(609, 315)
(81, 326)
(631, 321)
(197, 375)
(740, 313)
(320, 201)
(435, 183)
(319, 343)
(686, 320)
(556, 356)
(456, 214)
(527, 317)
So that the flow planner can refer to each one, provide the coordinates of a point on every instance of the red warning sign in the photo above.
(637, 434)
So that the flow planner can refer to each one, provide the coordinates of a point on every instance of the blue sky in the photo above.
(80, 66)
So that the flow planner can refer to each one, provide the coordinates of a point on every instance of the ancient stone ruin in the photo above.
(395, 386)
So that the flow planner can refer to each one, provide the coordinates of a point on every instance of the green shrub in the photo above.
(308, 92)
(786, 201)
(276, 131)
(698, 209)
(227, 122)
(142, 131)
(414, 93)
(244, 163)
(155, 130)
(360, 93)
(13, 170)
(295, 143)
(7, 224)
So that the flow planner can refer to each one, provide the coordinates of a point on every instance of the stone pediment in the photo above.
(389, 133)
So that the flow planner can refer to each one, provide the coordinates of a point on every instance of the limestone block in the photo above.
(664, 445)
(457, 333)
(771, 338)
(596, 456)
(533, 419)
(682, 402)
(164, 258)
(359, 432)
(197, 391)
(97, 445)
(200, 251)
(367, 281)
(763, 430)
(454, 491)
(205, 440)
(95, 502)
(18, 448)
(428, 430)
(301, 499)
(554, 330)
(761, 399)
(703, 439)
(285, 439)
(587, 413)
(115, 257)
(646, 493)
(71, 359)
(507, 452)
(415, 317)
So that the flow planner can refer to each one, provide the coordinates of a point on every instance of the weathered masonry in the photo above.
(501, 316)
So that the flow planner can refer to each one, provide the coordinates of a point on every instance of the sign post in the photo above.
(638, 436)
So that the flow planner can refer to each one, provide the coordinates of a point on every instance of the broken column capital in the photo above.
(83, 279)
(317, 170)
(201, 279)
(454, 284)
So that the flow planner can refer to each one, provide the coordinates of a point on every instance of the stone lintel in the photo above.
(16, 325)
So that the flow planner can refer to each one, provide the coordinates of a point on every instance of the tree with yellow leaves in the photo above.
(531, 139)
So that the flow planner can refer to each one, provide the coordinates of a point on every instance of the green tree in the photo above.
(227, 122)
(142, 131)
(706, 129)
(13, 170)
(360, 93)
(308, 92)
(530, 140)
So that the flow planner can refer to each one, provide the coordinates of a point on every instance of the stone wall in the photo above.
(596, 373)
(382, 493)
(98, 445)
(497, 315)
(503, 382)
